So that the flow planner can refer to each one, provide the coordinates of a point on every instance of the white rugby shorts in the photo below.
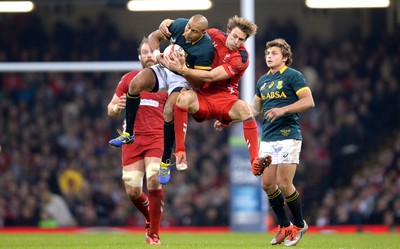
(167, 80)
(283, 151)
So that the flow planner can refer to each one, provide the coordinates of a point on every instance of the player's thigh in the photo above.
(282, 151)
(145, 81)
(175, 81)
(133, 153)
(132, 176)
(285, 173)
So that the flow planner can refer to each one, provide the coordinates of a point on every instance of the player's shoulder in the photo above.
(205, 45)
(213, 32)
(217, 36)
(294, 76)
(206, 40)
(179, 22)
(243, 51)
(241, 54)
(291, 70)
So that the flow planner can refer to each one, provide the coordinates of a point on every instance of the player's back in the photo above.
(150, 118)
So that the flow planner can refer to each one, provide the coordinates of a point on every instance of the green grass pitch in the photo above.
(196, 241)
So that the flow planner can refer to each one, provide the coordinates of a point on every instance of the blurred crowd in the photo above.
(56, 168)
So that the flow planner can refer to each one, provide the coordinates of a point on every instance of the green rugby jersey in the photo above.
(278, 90)
(199, 54)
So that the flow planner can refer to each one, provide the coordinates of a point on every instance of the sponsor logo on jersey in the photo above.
(226, 58)
(274, 95)
(285, 133)
(149, 102)
(280, 84)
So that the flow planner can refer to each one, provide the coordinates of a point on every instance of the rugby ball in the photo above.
(173, 48)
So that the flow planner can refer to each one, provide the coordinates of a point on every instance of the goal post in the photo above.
(77, 66)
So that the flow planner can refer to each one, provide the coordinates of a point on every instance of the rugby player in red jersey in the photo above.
(143, 156)
(218, 97)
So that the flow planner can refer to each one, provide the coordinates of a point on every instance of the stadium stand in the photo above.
(54, 132)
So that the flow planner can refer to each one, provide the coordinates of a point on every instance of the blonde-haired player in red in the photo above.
(144, 156)
(218, 97)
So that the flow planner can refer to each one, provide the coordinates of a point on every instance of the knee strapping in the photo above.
(133, 178)
(152, 169)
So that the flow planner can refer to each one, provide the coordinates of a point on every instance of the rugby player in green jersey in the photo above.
(280, 95)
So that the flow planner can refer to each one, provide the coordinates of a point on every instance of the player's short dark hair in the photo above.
(285, 48)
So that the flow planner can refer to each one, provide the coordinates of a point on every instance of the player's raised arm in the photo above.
(162, 33)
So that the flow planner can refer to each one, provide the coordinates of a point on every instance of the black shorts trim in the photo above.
(156, 87)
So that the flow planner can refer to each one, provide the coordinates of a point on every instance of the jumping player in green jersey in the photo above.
(281, 94)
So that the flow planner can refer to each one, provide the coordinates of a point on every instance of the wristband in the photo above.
(115, 109)
(184, 71)
(156, 52)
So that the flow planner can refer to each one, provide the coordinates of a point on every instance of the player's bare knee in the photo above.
(180, 101)
(244, 111)
(285, 186)
(168, 113)
(133, 192)
(184, 99)
(153, 183)
(268, 187)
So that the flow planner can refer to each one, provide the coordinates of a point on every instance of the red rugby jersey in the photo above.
(234, 63)
(149, 118)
